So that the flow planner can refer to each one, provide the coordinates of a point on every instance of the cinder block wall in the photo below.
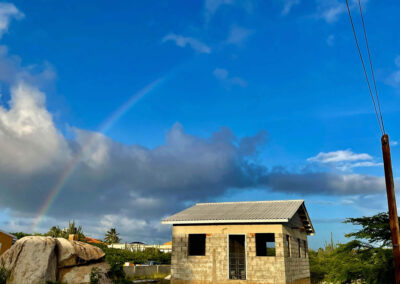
(297, 269)
(213, 267)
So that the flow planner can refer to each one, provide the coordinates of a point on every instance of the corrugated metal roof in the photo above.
(277, 211)
(245, 211)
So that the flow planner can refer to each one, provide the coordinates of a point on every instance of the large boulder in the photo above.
(72, 253)
(81, 274)
(31, 260)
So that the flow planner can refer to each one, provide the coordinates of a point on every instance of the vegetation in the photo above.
(20, 235)
(94, 276)
(112, 236)
(3, 275)
(57, 232)
(367, 259)
(117, 257)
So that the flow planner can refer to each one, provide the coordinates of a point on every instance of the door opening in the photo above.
(237, 257)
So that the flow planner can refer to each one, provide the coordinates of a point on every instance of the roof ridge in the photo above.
(239, 202)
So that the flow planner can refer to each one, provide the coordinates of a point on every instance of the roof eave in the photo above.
(257, 221)
(312, 233)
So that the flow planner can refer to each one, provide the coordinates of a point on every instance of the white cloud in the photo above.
(349, 166)
(339, 156)
(394, 78)
(182, 41)
(238, 35)
(96, 147)
(344, 160)
(13, 71)
(331, 14)
(223, 75)
(331, 10)
(211, 7)
(8, 12)
(29, 140)
(394, 143)
(288, 5)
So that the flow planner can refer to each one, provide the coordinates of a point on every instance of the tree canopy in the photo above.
(375, 229)
(112, 236)
(365, 259)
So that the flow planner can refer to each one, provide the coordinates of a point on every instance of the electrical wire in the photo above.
(365, 71)
(370, 64)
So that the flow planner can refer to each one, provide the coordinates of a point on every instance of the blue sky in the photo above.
(231, 101)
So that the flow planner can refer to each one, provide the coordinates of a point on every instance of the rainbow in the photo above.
(104, 127)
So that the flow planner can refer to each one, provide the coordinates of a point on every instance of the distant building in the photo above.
(6, 241)
(139, 246)
(92, 240)
(255, 242)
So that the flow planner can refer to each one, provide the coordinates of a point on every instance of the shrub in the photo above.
(94, 276)
(3, 275)
(117, 257)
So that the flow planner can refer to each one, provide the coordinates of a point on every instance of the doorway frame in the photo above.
(245, 255)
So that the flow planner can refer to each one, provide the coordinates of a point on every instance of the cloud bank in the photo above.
(102, 183)
(114, 181)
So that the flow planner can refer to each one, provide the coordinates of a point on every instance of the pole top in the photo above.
(385, 139)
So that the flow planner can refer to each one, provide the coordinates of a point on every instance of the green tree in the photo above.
(375, 229)
(112, 236)
(20, 235)
(74, 230)
(365, 259)
(55, 232)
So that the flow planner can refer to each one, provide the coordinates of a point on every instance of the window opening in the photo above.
(265, 244)
(299, 245)
(305, 249)
(197, 244)
(288, 244)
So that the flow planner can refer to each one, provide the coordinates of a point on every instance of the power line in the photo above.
(365, 71)
(370, 64)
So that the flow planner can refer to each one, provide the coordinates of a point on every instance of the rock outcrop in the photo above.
(73, 253)
(31, 260)
(81, 274)
(36, 260)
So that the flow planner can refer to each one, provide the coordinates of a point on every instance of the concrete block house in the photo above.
(241, 242)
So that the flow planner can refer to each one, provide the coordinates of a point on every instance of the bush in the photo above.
(117, 257)
(3, 275)
(94, 276)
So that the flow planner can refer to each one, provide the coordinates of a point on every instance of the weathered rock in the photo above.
(81, 274)
(31, 260)
(71, 253)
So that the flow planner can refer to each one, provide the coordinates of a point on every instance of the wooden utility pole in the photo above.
(394, 221)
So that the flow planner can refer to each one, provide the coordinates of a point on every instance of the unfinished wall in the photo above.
(144, 270)
(213, 267)
(297, 269)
